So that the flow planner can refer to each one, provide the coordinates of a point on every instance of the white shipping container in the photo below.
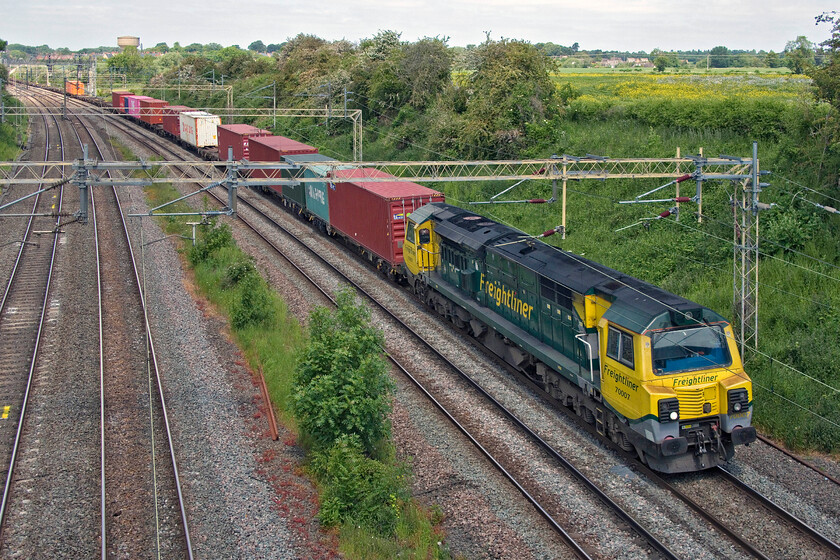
(198, 128)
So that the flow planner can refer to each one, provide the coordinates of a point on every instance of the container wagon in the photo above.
(117, 99)
(151, 111)
(371, 216)
(311, 195)
(132, 104)
(275, 148)
(170, 119)
(198, 128)
(237, 136)
(74, 87)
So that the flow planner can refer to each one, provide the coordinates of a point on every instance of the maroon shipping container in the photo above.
(373, 215)
(170, 121)
(237, 137)
(151, 110)
(117, 99)
(273, 148)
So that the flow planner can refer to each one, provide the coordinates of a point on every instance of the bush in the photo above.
(238, 271)
(214, 239)
(357, 489)
(341, 386)
(254, 306)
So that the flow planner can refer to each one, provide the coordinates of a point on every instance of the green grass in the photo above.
(12, 132)
(418, 537)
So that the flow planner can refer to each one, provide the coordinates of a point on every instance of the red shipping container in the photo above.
(273, 148)
(132, 104)
(170, 121)
(117, 99)
(151, 110)
(237, 137)
(373, 214)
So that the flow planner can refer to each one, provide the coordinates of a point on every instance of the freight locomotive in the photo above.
(657, 374)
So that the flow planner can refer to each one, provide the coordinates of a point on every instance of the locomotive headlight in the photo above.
(738, 400)
(669, 410)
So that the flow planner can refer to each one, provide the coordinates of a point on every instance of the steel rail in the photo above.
(4, 502)
(799, 459)
(778, 510)
(154, 364)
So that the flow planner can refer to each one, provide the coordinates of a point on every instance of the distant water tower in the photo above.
(128, 41)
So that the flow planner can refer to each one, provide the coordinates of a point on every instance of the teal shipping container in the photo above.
(315, 193)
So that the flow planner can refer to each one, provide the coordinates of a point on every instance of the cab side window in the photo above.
(425, 236)
(620, 347)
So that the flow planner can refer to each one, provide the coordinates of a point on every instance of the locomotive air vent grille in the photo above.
(691, 403)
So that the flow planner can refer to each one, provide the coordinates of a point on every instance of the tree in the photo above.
(233, 62)
(827, 77)
(129, 60)
(772, 60)
(257, 46)
(799, 55)
(827, 80)
(273, 47)
(719, 57)
(510, 90)
(161, 47)
(662, 60)
(425, 68)
(4, 73)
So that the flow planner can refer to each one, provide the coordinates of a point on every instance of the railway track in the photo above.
(142, 503)
(139, 503)
(22, 313)
(753, 551)
(647, 539)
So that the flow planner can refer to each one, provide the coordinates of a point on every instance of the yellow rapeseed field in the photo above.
(687, 87)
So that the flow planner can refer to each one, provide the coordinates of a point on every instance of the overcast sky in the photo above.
(628, 25)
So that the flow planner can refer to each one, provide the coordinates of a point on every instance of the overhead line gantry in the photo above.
(559, 170)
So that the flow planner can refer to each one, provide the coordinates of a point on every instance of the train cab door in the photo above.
(428, 252)
(420, 251)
